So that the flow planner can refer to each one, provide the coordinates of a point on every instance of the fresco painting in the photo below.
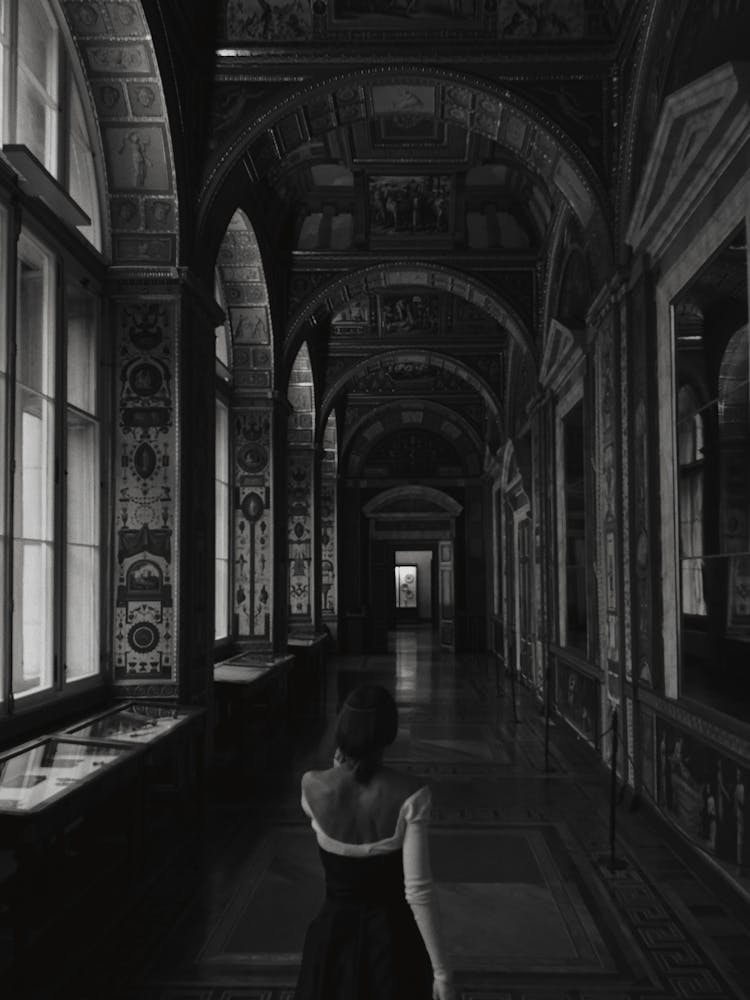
(410, 205)
(702, 789)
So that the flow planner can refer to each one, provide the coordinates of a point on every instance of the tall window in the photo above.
(82, 477)
(712, 438)
(573, 583)
(51, 441)
(4, 634)
(222, 520)
(42, 106)
(33, 484)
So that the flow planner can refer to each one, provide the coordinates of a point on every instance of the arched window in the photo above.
(45, 115)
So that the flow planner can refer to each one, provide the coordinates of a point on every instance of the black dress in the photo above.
(364, 943)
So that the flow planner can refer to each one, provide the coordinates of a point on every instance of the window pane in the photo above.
(37, 41)
(36, 349)
(221, 626)
(82, 348)
(31, 121)
(36, 113)
(82, 520)
(82, 184)
(712, 438)
(3, 458)
(33, 487)
(575, 609)
(32, 617)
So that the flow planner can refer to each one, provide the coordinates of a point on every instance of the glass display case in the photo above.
(36, 774)
(135, 722)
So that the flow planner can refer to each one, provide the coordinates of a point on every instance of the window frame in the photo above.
(75, 260)
(574, 396)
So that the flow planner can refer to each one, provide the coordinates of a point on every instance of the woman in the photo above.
(377, 935)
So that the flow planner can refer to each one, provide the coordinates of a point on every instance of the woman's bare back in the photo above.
(353, 813)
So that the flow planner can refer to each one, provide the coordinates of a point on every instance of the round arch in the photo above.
(422, 415)
(435, 359)
(411, 497)
(256, 150)
(325, 301)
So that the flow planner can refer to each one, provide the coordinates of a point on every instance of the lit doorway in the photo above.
(413, 580)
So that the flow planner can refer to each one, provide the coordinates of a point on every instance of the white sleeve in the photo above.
(419, 888)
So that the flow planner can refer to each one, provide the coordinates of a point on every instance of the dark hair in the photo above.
(367, 724)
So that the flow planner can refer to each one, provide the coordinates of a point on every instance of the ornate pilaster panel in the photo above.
(146, 507)
(607, 501)
(253, 584)
(641, 535)
(300, 483)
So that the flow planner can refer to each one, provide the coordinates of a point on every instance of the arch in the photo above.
(411, 495)
(449, 365)
(119, 61)
(301, 398)
(421, 415)
(243, 285)
(496, 113)
(325, 301)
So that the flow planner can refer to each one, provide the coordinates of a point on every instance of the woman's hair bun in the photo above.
(367, 724)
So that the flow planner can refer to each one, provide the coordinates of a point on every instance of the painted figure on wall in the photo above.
(704, 793)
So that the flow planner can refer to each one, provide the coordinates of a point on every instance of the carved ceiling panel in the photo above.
(370, 21)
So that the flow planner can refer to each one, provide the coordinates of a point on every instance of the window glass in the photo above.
(3, 458)
(712, 438)
(82, 185)
(33, 491)
(37, 82)
(222, 521)
(574, 498)
(82, 490)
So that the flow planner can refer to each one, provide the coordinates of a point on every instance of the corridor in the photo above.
(531, 908)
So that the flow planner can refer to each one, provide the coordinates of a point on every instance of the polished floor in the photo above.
(532, 905)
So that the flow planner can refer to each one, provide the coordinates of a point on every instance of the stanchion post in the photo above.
(613, 791)
(546, 716)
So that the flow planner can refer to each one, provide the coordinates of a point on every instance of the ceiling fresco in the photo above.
(412, 315)
(286, 22)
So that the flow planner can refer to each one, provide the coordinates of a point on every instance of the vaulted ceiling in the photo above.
(427, 180)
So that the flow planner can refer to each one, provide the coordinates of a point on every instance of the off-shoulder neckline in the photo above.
(365, 845)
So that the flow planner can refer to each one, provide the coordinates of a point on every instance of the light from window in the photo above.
(3, 459)
(82, 474)
(82, 185)
(36, 111)
(574, 486)
(33, 518)
(221, 628)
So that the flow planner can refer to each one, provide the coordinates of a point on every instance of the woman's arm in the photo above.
(421, 896)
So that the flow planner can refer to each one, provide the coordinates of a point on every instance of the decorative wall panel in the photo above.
(299, 493)
(702, 790)
(253, 521)
(144, 645)
(607, 506)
